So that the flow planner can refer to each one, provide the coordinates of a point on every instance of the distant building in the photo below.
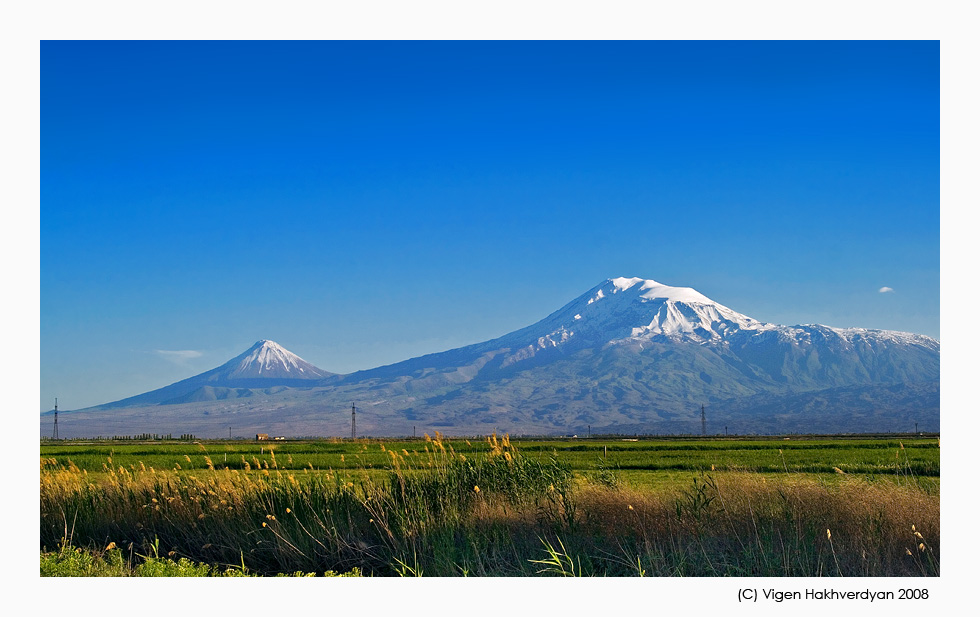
(262, 437)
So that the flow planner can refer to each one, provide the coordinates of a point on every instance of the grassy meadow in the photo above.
(491, 507)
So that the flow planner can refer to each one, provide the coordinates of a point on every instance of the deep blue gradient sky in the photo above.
(362, 202)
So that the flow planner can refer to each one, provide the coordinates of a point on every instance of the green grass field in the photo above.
(615, 507)
(860, 456)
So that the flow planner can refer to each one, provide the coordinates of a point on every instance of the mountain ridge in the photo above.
(628, 352)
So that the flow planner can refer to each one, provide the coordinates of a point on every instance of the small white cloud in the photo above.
(886, 290)
(180, 356)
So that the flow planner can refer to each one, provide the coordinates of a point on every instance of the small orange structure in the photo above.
(262, 437)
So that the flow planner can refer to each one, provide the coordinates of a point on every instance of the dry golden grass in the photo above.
(877, 528)
(727, 523)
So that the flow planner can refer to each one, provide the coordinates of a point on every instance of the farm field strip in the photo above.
(918, 456)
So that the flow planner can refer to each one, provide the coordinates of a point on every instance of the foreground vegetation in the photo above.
(112, 561)
(456, 508)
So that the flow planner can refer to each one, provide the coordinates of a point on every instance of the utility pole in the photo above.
(55, 435)
(353, 422)
(704, 428)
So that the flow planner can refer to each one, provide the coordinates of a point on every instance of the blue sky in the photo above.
(364, 202)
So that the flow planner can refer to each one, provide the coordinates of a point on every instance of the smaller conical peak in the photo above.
(267, 358)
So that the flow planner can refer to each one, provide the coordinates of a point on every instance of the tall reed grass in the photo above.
(438, 512)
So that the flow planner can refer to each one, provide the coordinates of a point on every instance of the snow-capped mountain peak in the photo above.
(263, 365)
(631, 311)
(269, 359)
(625, 308)
(652, 290)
